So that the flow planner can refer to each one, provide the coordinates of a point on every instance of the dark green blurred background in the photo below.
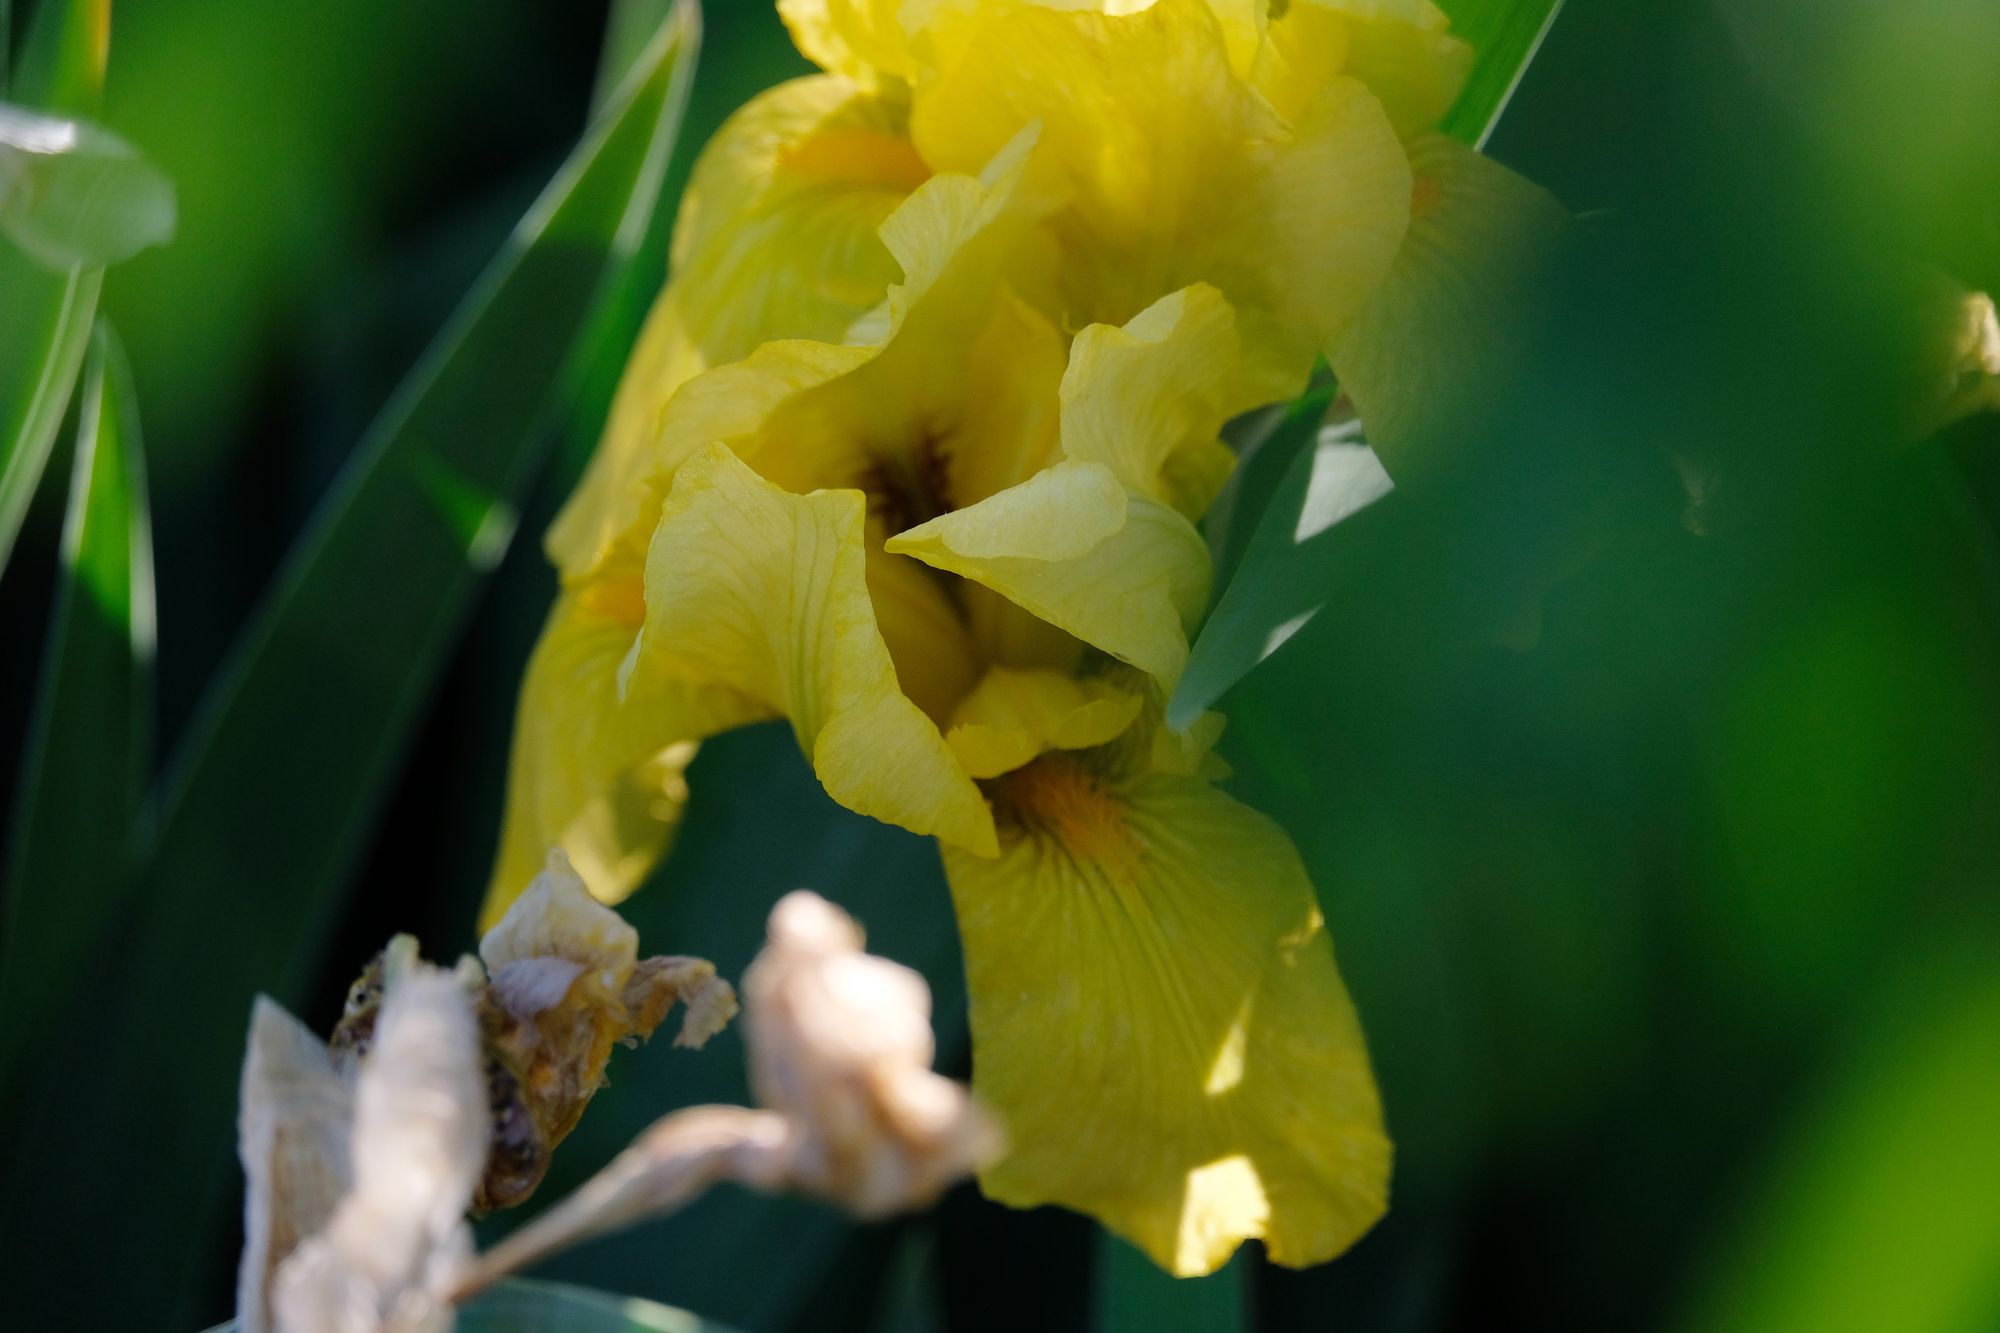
(1647, 759)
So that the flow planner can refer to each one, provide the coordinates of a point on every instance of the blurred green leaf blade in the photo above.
(1135, 1296)
(1288, 569)
(283, 773)
(63, 58)
(73, 193)
(1504, 35)
(1883, 1208)
(86, 765)
(42, 343)
(48, 315)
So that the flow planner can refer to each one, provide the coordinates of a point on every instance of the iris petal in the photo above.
(593, 774)
(766, 591)
(1157, 1017)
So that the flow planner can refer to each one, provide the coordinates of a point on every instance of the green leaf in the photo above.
(1289, 563)
(1505, 35)
(1135, 1296)
(90, 749)
(42, 341)
(48, 315)
(1288, 570)
(268, 808)
(72, 193)
(1882, 1207)
(62, 60)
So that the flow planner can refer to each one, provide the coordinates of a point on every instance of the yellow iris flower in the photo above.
(910, 454)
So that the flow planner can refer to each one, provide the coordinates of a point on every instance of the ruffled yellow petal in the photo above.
(767, 591)
(777, 237)
(1012, 716)
(886, 416)
(778, 234)
(592, 774)
(1148, 400)
(1402, 49)
(863, 39)
(1157, 1018)
(1123, 573)
(1100, 544)
(1172, 169)
(1431, 344)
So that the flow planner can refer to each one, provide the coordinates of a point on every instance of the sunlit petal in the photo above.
(1157, 1018)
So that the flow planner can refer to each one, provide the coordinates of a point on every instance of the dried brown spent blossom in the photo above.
(563, 983)
(840, 1048)
(439, 1091)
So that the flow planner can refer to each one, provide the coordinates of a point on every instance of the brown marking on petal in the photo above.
(1425, 193)
(1058, 796)
(619, 599)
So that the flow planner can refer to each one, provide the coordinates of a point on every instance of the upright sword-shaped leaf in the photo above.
(266, 811)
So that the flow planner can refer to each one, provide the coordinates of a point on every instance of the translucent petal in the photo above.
(778, 234)
(1429, 346)
(862, 39)
(1157, 1018)
(766, 590)
(1401, 49)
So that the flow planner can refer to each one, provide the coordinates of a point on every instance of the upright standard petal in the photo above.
(1402, 49)
(593, 773)
(778, 234)
(777, 237)
(1173, 169)
(1157, 1018)
(862, 39)
(766, 590)
(1148, 400)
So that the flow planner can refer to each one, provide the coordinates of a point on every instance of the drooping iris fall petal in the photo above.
(1157, 1018)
